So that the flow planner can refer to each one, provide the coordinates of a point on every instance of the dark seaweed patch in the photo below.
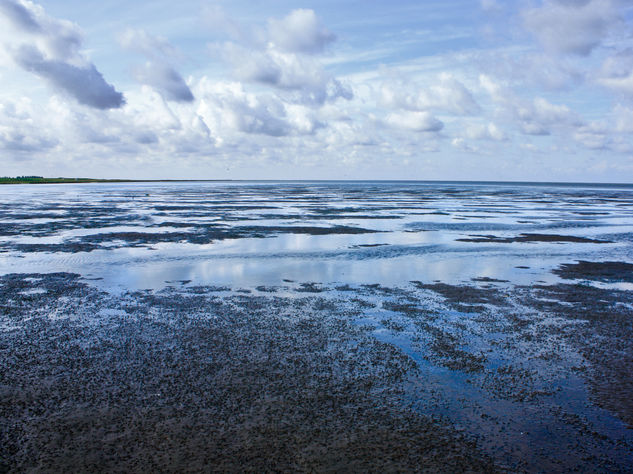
(597, 271)
(532, 238)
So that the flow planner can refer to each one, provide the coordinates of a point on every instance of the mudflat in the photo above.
(316, 327)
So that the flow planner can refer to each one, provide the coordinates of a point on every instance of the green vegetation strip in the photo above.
(42, 180)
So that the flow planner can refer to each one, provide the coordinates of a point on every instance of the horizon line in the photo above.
(85, 180)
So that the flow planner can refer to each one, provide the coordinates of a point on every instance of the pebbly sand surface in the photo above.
(316, 328)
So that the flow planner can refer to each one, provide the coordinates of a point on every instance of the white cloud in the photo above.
(622, 85)
(299, 32)
(21, 131)
(414, 121)
(540, 117)
(497, 92)
(535, 117)
(447, 94)
(489, 131)
(229, 109)
(285, 60)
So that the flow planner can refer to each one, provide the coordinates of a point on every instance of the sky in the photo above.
(518, 90)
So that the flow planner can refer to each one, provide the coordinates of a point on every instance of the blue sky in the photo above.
(492, 90)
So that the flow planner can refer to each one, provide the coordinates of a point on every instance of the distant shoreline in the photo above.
(64, 180)
(39, 180)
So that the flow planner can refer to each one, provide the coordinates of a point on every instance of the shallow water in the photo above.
(414, 227)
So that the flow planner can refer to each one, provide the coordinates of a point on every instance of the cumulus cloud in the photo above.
(285, 71)
(533, 117)
(414, 121)
(489, 131)
(21, 130)
(49, 48)
(228, 108)
(299, 32)
(158, 71)
(447, 95)
(572, 26)
(540, 116)
(283, 56)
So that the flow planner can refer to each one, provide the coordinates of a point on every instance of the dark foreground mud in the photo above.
(190, 380)
(307, 377)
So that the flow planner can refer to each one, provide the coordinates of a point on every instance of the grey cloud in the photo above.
(572, 26)
(26, 143)
(85, 84)
(62, 39)
(336, 89)
(57, 58)
(166, 80)
(19, 16)
(158, 71)
(146, 138)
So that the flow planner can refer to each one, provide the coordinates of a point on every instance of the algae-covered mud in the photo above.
(316, 327)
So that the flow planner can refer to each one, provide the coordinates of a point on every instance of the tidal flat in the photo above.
(342, 326)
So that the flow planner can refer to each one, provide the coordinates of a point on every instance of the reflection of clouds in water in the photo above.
(418, 245)
(394, 272)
